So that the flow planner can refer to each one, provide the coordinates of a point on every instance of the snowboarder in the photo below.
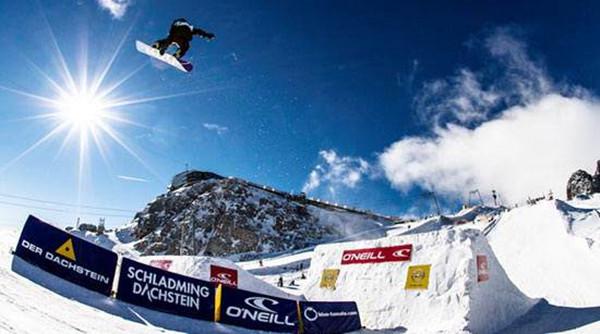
(180, 34)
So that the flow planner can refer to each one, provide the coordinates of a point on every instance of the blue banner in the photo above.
(160, 290)
(67, 256)
(257, 311)
(329, 317)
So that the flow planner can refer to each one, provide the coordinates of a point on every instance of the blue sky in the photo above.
(297, 95)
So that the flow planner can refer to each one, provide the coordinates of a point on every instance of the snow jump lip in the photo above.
(439, 281)
(84, 264)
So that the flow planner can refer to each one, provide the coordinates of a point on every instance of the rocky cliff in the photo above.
(583, 183)
(224, 217)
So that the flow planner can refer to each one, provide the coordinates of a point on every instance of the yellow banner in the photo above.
(218, 297)
(329, 278)
(418, 277)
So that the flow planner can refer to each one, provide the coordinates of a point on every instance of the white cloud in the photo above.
(407, 81)
(117, 8)
(526, 151)
(461, 99)
(336, 171)
(471, 97)
(507, 128)
(132, 178)
(216, 127)
(528, 79)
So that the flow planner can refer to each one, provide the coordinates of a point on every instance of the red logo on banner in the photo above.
(377, 255)
(483, 273)
(224, 275)
(162, 264)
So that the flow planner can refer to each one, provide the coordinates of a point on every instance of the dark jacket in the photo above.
(181, 29)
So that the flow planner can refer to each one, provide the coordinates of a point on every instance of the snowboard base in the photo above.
(182, 65)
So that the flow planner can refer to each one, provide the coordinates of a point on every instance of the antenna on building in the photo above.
(101, 225)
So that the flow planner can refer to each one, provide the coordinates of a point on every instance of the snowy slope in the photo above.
(27, 306)
(477, 217)
(292, 268)
(523, 240)
(551, 250)
(454, 302)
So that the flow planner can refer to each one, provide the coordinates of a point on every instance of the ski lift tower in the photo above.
(433, 197)
(473, 193)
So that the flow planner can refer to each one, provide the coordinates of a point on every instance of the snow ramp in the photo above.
(552, 250)
(424, 283)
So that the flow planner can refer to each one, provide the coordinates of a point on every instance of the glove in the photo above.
(210, 36)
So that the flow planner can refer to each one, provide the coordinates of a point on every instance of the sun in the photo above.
(87, 110)
(81, 110)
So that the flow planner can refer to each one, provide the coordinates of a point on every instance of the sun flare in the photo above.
(81, 110)
(86, 110)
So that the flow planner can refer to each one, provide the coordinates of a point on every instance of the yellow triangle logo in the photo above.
(67, 250)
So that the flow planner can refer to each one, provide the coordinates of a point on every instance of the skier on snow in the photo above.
(180, 34)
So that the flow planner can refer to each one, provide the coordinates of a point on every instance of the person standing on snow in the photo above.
(181, 34)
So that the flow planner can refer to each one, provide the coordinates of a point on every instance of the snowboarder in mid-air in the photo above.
(181, 34)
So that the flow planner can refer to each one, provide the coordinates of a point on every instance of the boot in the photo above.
(161, 51)
(177, 54)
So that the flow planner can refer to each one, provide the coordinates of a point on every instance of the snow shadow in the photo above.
(118, 308)
(547, 318)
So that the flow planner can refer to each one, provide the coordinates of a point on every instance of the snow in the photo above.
(546, 318)
(477, 217)
(33, 301)
(550, 250)
(453, 303)
(289, 267)
(353, 226)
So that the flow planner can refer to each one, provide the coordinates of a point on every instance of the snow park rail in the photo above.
(97, 269)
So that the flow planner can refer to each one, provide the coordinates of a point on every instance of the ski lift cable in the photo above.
(96, 214)
(65, 204)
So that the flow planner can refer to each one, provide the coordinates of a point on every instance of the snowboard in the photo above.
(181, 65)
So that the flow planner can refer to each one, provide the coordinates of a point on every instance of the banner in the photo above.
(483, 273)
(257, 311)
(224, 275)
(165, 291)
(329, 278)
(67, 256)
(161, 264)
(377, 255)
(417, 277)
(329, 317)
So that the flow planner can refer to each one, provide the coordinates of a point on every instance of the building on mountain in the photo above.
(190, 177)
